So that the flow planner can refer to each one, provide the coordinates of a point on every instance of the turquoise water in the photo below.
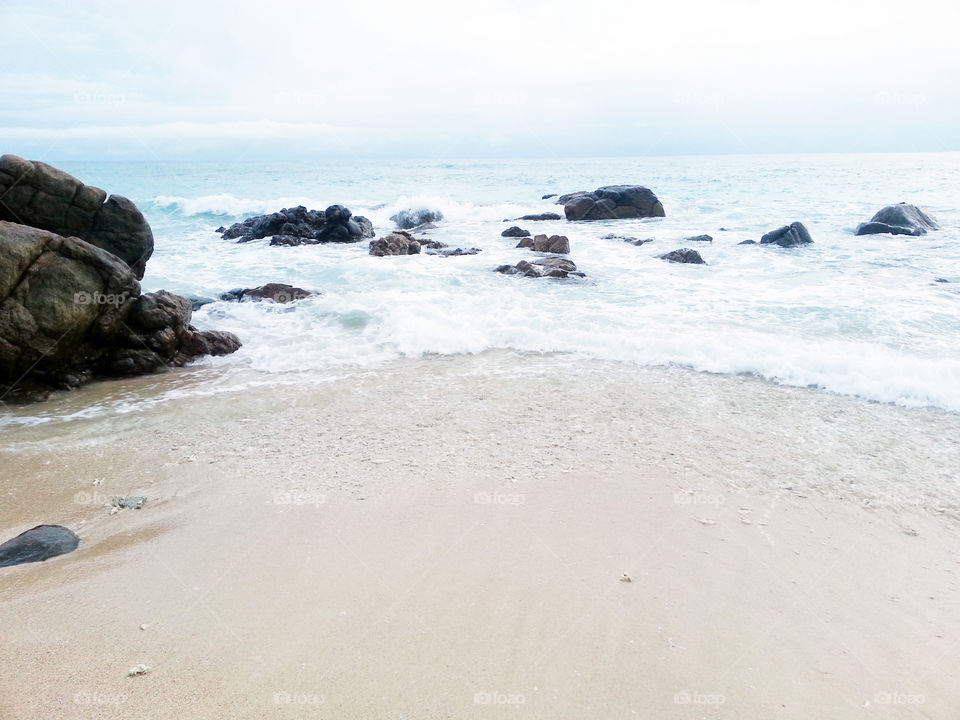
(860, 316)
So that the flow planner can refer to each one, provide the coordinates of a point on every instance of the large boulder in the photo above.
(41, 196)
(541, 243)
(71, 311)
(611, 202)
(790, 235)
(299, 226)
(407, 219)
(902, 219)
(398, 242)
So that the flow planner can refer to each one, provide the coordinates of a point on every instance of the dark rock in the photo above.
(628, 240)
(455, 252)
(197, 301)
(276, 292)
(788, 236)
(299, 226)
(71, 311)
(540, 216)
(541, 243)
(547, 197)
(38, 195)
(515, 231)
(38, 544)
(396, 243)
(611, 202)
(699, 238)
(902, 219)
(747, 242)
(407, 219)
(548, 267)
(431, 244)
(684, 255)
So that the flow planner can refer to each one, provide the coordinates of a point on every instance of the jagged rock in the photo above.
(41, 196)
(548, 196)
(398, 242)
(541, 243)
(515, 231)
(611, 202)
(411, 218)
(699, 238)
(71, 311)
(276, 292)
(788, 236)
(902, 219)
(431, 244)
(299, 226)
(38, 544)
(548, 267)
(684, 255)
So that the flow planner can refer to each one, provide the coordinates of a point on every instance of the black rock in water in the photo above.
(788, 236)
(277, 292)
(902, 219)
(699, 238)
(515, 231)
(541, 216)
(299, 226)
(548, 267)
(611, 202)
(38, 544)
(408, 219)
(684, 255)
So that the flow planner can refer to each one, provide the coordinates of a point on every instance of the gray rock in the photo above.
(790, 235)
(902, 219)
(611, 202)
(515, 231)
(684, 255)
(548, 267)
(396, 243)
(38, 195)
(275, 292)
(411, 218)
(455, 252)
(134, 502)
(38, 544)
(541, 243)
(699, 238)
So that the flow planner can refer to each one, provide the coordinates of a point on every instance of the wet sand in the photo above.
(447, 538)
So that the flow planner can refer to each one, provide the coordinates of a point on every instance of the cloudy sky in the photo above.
(199, 79)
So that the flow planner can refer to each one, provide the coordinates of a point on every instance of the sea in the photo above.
(867, 316)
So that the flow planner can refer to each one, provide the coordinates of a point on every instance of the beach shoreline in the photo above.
(446, 537)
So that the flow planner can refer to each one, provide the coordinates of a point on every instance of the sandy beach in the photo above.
(448, 538)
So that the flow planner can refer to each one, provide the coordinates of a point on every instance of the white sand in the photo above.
(446, 540)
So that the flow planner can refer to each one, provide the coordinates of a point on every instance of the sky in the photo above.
(429, 79)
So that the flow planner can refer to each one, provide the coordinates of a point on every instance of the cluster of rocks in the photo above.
(399, 242)
(558, 244)
(39, 195)
(611, 202)
(71, 308)
(548, 267)
(299, 226)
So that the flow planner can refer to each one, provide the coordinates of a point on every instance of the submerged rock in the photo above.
(277, 292)
(410, 218)
(541, 216)
(515, 231)
(455, 252)
(902, 219)
(398, 242)
(541, 243)
(548, 267)
(699, 238)
(611, 202)
(38, 544)
(299, 226)
(548, 196)
(41, 196)
(788, 236)
(684, 255)
(627, 239)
